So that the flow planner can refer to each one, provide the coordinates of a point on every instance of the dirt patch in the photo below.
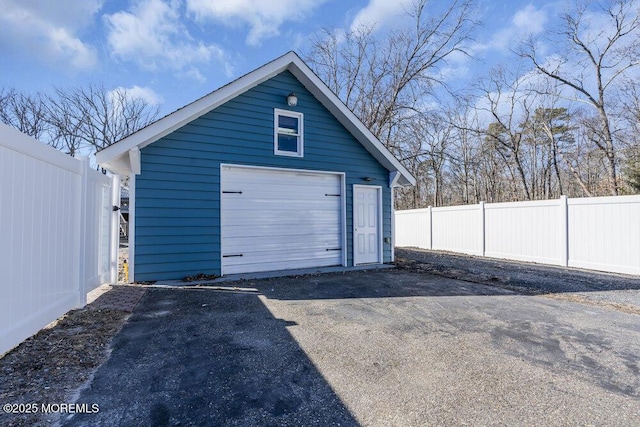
(625, 308)
(51, 366)
(441, 265)
(606, 290)
(200, 277)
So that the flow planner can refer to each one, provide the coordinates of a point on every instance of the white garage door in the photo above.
(277, 219)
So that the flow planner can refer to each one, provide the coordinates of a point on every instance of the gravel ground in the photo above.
(616, 291)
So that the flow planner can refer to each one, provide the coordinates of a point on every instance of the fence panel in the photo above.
(456, 229)
(44, 218)
(600, 233)
(98, 230)
(413, 228)
(604, 233)
(525, 231)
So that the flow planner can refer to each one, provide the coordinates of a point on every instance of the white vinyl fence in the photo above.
(599, 233)
(57, 239)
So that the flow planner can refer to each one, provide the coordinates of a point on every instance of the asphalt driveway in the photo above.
(387, 347)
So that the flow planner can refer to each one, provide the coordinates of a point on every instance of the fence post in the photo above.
(114, 238)
(430, 227)
(82, 233)
(482, 229)
(564, 231)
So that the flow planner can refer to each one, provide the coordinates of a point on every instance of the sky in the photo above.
(172, 52)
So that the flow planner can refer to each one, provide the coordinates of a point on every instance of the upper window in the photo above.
(288, 135)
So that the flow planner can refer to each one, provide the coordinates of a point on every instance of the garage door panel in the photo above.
(280, 219)
(261, 260)
(292, 254)
(264, 245)
(256, 215)
(311, 183)
(272, 200)
(245, 267)
(316, 188)
(320, 224)
(270, 260)
(264, 235)
(270, 231)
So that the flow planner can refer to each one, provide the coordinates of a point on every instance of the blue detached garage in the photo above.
(270, 172)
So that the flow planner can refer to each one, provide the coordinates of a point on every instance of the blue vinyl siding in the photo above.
(178, 191)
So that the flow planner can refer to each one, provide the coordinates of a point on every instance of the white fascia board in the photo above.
(187, 114)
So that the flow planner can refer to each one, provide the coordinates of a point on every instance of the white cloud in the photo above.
(49, 31)
(195, 75)
(152, 35)
(526, 21)
(378, 12)
(136, 92)
(529, 20)
(264, 17)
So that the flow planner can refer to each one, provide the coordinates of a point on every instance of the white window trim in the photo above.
(300, 152)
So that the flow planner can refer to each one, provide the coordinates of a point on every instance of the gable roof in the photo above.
(123, 156)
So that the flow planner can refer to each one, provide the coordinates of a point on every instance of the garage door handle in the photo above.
(333, 249)
(231, 256)
(232, 192)
(332, 195)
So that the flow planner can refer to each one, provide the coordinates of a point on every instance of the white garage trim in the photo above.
(235, 238)
(132, 229)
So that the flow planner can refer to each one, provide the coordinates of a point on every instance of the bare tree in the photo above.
(27, 113)
(78, 120)
(632, 170)
(96, 118)
(385, 81)
(591, 63)
(436, 134)
(388, 79)
(426, 153)
(508, 103)
(464, 151)
(65, 126)
(549, 127)
(631, 150)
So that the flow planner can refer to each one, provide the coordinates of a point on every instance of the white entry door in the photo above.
(366, 224)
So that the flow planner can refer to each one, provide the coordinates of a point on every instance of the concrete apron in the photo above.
(271, 275)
